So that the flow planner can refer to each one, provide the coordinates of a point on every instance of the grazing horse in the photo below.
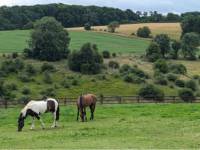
(36, 108)
(84, 101)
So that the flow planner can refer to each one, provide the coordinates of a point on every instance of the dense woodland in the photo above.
(22, 17)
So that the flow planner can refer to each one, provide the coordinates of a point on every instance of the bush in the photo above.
(180, 83)
(186, 95)
(178, 69)
(153, 52)
(14, 55)
(65, 84)
(113, 64)
(48, 67)
(106, 54)
(133, 79)
(87, 60)
(75, 82)
(172, 77)
(30, 69)
(11, 86)
(47, 78)
(26, 91)
(191, 85)
(150, 92)
(144, 32)
(161, 80)
(12, 66)
(24, 77)
(114, 55)
(87, 26)
(49, 92)
(161, 66)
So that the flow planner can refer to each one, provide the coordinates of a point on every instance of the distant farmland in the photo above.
(172, 29)
(16, 41)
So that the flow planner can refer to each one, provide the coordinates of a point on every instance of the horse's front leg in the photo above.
(85, 115)
(42, 123)
(54, 121)
(33, 123)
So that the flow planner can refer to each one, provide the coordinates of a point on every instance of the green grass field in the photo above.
(16, 41)
(154, 126)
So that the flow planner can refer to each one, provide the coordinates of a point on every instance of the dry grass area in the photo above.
(172, 29)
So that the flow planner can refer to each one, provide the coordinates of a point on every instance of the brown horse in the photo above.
(83, 102)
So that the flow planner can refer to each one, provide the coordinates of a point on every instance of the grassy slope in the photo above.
(16, 41)
(173, 126)
(109, 86)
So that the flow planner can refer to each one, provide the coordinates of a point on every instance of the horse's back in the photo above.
(89, 99)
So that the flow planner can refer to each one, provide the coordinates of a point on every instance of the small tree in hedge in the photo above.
(191, 84)
(87, 26)
(178, 69)
(144, 32)
(180, 83)
(113, 64)
(161, 66)
(106, 54)
(186, 95)
(49, 41)
(112, 26)
(153, 52)
(87, 60)
(150, 92)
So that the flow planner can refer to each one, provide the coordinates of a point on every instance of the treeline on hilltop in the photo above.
(22, 17)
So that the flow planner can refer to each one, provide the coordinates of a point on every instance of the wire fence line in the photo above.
(105, 100)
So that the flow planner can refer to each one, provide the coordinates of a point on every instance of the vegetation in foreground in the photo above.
(155, 126)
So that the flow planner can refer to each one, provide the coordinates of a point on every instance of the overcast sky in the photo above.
(163, 6)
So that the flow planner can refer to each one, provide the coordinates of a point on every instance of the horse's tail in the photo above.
(58, 113)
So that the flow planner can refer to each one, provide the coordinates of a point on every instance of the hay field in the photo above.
(172, 29)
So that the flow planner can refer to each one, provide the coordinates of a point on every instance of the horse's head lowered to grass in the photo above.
(20, 122)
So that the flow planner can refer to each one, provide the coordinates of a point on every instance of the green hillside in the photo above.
(17, 40)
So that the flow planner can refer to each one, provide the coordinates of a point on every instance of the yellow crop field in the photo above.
(172, 29)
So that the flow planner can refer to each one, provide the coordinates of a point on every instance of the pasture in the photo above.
(155, 126)
(17, 40)
(172, 29)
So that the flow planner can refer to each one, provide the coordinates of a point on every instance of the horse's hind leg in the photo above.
(85, 115)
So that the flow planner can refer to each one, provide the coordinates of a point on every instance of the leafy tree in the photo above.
(112, 26)
(87, 26)
(190, 42)
(153, 52)
(49, 40)
(191, 84)
(176, 45)
(144, 32)
(164, 43)
(171, 17)
(191, 23)
(87, 60)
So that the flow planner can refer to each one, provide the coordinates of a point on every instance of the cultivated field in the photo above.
(173, 126)
(172, 29)
(16, 41)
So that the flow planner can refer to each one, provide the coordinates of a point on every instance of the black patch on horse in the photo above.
(30, 112)
(50, 106)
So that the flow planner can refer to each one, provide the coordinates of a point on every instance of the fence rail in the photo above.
(106, 100)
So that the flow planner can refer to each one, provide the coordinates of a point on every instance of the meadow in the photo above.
(17, 40)
(171, 29)
(152, 126)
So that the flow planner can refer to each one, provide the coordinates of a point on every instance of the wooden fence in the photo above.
(105, 100)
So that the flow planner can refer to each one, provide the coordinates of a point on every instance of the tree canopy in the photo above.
(49, 40)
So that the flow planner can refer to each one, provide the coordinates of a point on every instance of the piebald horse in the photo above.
(83, 102)
(35, 109)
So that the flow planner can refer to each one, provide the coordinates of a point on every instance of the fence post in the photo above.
(138, 99)
(65, 101)
(119, 99)
(5, 103)
(101, 99)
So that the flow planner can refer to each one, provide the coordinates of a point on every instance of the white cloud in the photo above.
(142, 5)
